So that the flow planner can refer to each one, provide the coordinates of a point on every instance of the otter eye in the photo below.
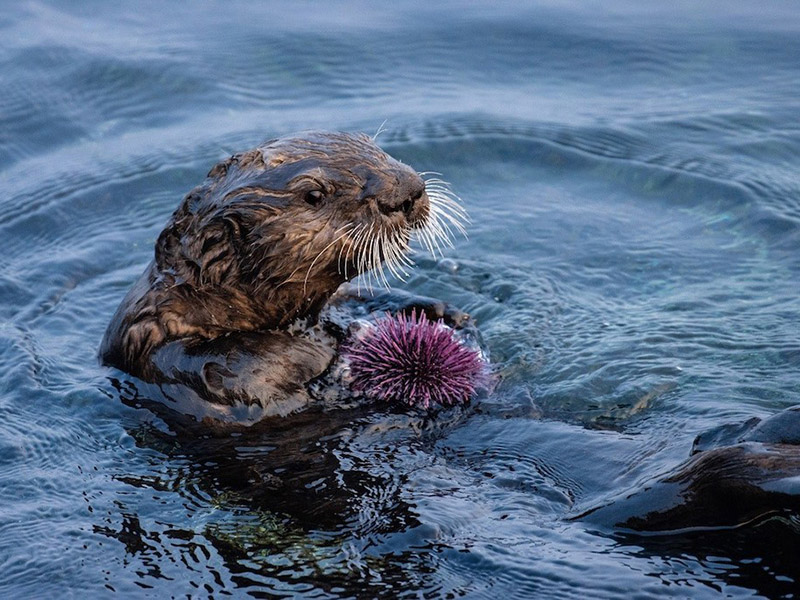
(313, 197)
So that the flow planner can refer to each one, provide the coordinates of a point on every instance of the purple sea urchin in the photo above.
(416, 361)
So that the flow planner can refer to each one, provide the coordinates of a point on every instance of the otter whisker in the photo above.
(378, 270)
(449, 209)
(441, 183)
(447, 220)
(403, 250)
(380, 258)
(380, 130)
(323, 251)
(353, 255)
(434, 234)
(377, 263)
(363, 254)
(398, 251)
(364, 257)
(369, 251)
(446, 215)
(446, 233)
(375, 266)
(353, 232)
(290, 277)
(445, 224)
(395, 251)
(450, 201)
(391, 252)
(425, 237)
(444, 187)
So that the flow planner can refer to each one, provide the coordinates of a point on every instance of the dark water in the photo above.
(632, 175)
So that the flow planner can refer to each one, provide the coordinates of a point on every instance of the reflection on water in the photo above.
(632, 264)
(299, 495)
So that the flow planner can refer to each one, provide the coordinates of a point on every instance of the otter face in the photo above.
(370, 202)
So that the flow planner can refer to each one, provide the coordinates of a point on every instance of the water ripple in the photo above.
(632, 265)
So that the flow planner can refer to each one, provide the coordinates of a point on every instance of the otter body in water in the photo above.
(737, 474)
(262, 243)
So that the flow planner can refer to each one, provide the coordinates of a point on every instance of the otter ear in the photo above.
(212, 249)
(217, 244)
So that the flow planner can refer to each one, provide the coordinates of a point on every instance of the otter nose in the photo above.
(406, 197)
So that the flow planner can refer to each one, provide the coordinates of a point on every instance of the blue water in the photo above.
(631, 170)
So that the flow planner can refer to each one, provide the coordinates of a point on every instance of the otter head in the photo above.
(279, 228)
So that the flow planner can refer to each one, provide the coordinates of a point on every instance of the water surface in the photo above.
(631, 172)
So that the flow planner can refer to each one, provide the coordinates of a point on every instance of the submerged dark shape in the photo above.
(262, 243)
(414, 360)
(738, 474)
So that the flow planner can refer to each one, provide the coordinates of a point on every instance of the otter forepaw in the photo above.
(400, 302)
(436, 309)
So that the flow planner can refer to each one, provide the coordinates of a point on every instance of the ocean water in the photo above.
(633, 263)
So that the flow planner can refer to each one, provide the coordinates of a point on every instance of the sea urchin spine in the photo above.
(416, 361)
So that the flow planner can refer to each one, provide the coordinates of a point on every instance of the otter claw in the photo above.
(451, 316)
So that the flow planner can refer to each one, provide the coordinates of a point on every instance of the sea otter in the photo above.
(261, 245)
(738, 474)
